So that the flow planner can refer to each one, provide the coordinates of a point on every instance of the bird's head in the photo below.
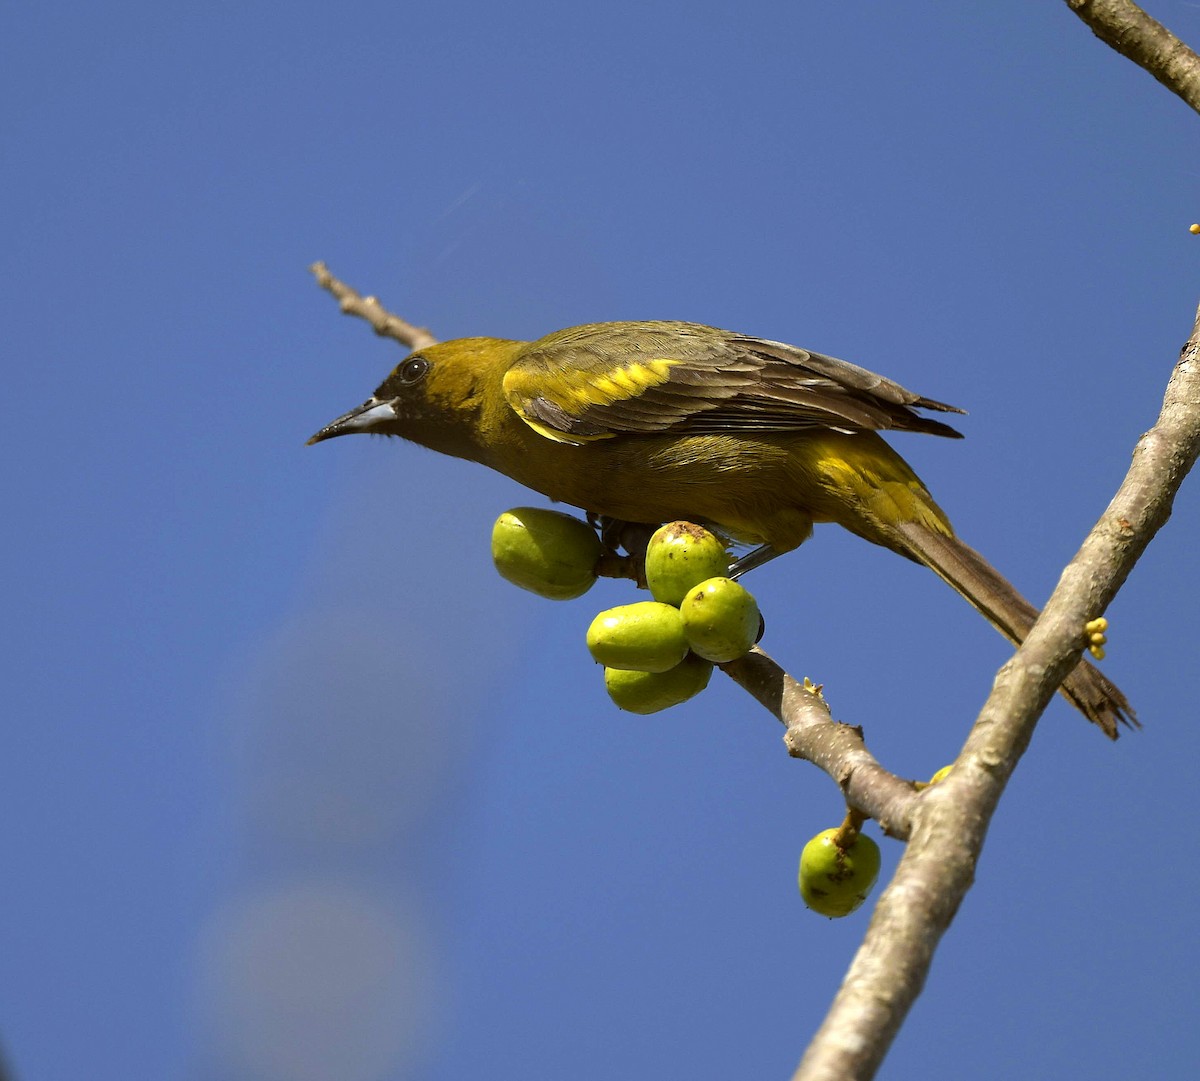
(435, 396)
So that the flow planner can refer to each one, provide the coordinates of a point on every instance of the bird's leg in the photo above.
(615, 535)
(764, 553)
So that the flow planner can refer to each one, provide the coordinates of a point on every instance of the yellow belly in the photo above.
(764, 490)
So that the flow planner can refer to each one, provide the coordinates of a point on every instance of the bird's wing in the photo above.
(607, 379)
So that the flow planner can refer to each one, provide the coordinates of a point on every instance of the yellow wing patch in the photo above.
(630, 381)
(555, 402)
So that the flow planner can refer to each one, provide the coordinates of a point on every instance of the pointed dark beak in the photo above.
(372, 416)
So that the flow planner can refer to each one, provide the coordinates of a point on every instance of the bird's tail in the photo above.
(963, 568)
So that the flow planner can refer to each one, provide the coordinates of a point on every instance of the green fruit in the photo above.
(643, 637)
(721, 620)
(547, 552)
(834, 882)
(649, 692)
(682, 555)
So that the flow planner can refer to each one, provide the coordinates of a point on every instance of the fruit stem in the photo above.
(613, 565)
(847, 832)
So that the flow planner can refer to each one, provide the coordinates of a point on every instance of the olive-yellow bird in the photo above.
(651, 422)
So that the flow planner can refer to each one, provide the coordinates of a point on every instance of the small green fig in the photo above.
(835, 881)
(649, 692)
(546, 552)
(721, 619)
(645, 637)
(681, 555)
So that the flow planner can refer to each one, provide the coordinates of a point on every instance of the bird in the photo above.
(646, 422)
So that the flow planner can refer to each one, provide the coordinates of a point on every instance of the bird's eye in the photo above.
(412, 370)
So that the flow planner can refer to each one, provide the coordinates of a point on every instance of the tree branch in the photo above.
(838, 749)
(1130, 31)
(950, 819)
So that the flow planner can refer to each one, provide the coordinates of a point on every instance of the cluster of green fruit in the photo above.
(656, 653)
(659, 653)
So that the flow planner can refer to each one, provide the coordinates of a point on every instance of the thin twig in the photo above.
(812, 734)
(385, 324)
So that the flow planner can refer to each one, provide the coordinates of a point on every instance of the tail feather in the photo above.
(994, 597)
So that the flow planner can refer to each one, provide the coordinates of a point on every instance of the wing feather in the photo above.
(605, 379)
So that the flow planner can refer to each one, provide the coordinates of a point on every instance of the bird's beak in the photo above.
(368, 417)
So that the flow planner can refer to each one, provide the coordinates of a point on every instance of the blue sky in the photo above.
(295, 786)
